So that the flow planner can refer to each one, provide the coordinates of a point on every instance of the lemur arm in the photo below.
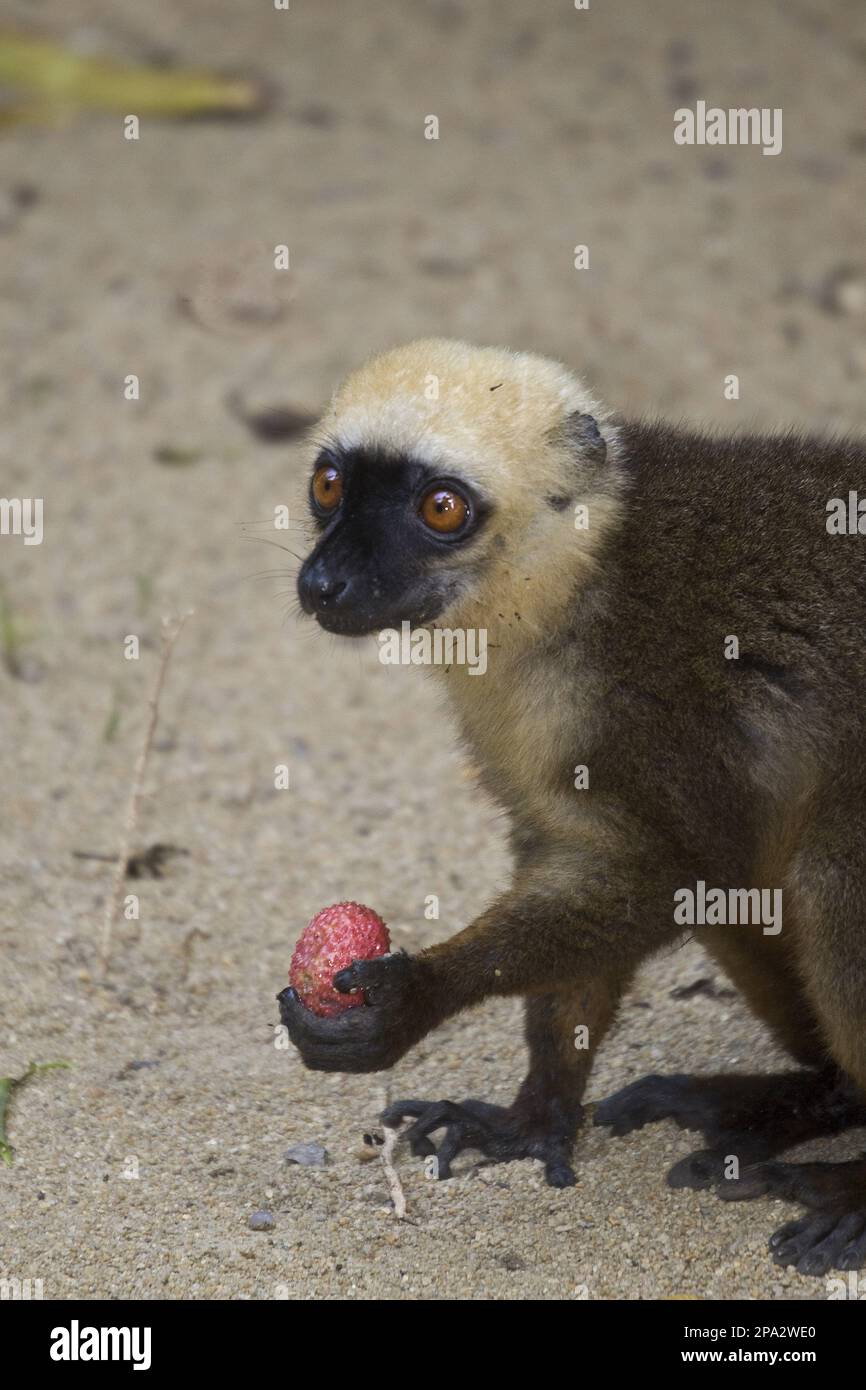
(534, 940)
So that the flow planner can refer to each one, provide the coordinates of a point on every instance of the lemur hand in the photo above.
(373, 1036)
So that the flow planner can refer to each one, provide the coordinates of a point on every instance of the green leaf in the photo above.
(8, 1084)
(55, 79)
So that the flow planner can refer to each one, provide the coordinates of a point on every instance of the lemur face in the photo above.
(441, 488)
(397, 539)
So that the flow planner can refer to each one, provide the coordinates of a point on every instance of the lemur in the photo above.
(611, 564)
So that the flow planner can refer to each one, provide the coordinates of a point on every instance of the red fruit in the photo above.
(334, 938)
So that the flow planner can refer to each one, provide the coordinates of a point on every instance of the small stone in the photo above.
(261, 1221)
(512, 1262)
(307, 1155)
(234, 291)
(270, 421)
(844, 291)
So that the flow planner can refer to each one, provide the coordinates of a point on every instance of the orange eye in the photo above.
(327, 488)
(444, 511)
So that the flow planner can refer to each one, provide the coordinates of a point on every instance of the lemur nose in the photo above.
(317, 588)
(327, 589)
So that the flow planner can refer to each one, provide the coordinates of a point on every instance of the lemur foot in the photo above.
(820, 1242)
(684, 1100)
(833, 1234)
(750, 1119)
(649, 1099)
(498, 1133)
(747, 1118)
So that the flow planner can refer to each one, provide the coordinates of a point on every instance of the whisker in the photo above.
(293, 523)
(264, 540)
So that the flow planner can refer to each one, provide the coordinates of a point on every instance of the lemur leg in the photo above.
(747, 1117)
(544, 1117)
(829, 877)
(764, 969)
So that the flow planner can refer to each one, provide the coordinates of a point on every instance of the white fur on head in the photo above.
(482, 411)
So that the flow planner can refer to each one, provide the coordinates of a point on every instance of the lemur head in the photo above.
(444, 487)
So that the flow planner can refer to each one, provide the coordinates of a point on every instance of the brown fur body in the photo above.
(608, 651)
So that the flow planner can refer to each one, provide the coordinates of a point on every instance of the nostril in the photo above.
(328, 589)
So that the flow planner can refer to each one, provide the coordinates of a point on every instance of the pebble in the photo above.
(307, 1155)
(844, 291)
(261, 1221)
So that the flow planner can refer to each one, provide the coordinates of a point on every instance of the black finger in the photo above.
(347, 980)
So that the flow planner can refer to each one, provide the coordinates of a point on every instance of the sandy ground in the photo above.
(555, 129)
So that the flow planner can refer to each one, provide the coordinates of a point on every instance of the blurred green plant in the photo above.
(55, 81)
(112, 719)
(144, 589)
(9, 1084)
(11, 635)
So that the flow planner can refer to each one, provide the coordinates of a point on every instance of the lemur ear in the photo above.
(581, 433)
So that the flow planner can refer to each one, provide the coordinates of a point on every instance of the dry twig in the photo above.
(171, 630)
(397, 1194)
